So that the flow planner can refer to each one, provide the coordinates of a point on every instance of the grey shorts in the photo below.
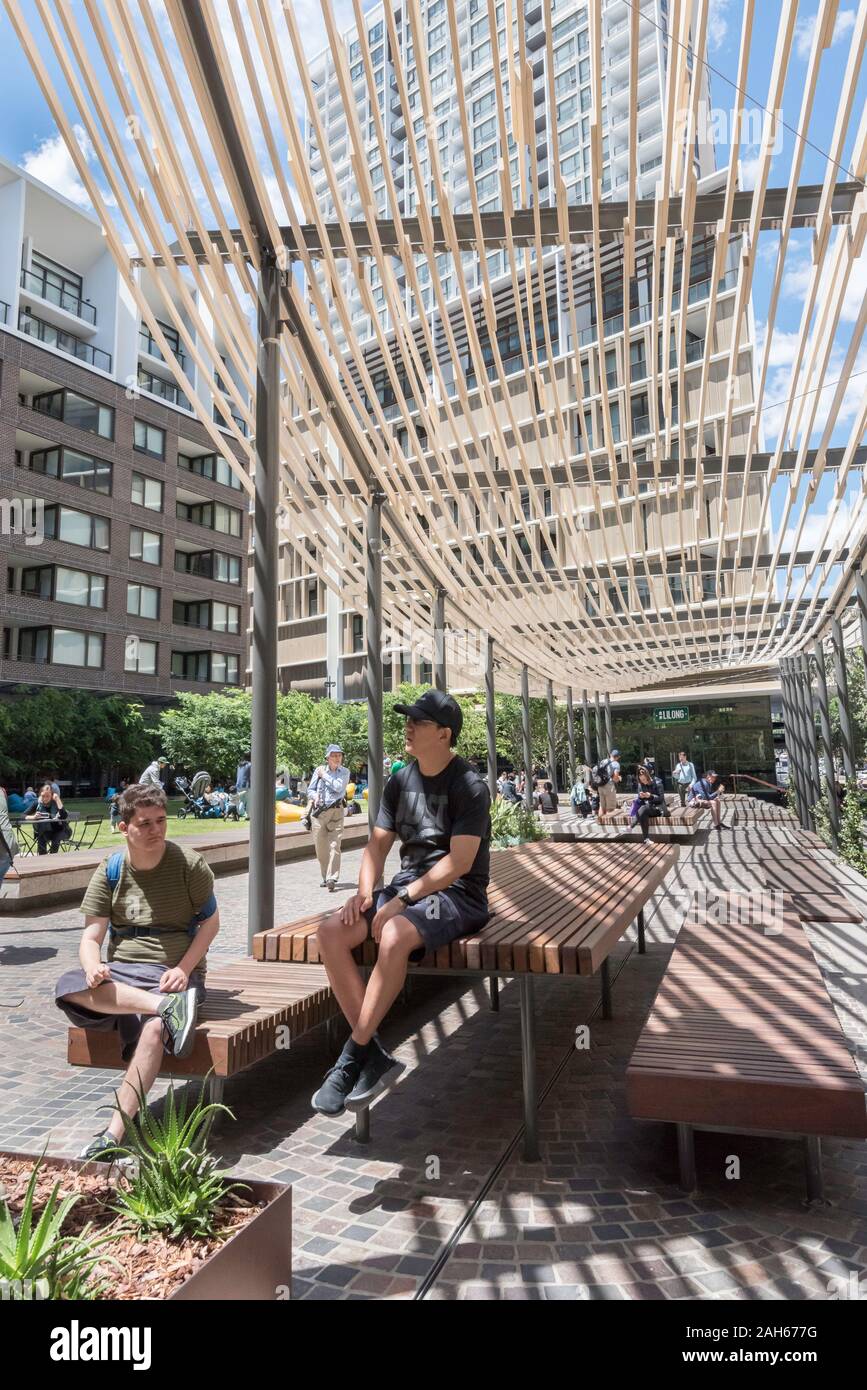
(139, 974)
(439, 919)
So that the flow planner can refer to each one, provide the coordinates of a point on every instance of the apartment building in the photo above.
(322, 637)
(124, 533)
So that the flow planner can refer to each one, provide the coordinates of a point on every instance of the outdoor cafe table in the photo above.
(557, 910)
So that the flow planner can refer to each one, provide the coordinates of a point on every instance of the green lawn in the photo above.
(86, 806)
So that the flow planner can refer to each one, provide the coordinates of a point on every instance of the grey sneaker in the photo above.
(178, 1013)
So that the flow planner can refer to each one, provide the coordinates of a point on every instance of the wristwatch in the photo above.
(404, 895)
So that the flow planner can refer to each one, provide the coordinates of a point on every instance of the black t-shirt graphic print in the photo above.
(425, 812)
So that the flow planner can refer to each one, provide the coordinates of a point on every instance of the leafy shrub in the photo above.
(851, 837)
(174, 1184)
(513, 824)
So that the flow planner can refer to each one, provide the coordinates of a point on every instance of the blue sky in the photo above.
(28, 136)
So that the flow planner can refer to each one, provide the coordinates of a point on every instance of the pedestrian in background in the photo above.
(683, 776)
(325, 812)
(242, 784)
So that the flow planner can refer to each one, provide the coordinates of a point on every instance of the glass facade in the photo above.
(730, 736)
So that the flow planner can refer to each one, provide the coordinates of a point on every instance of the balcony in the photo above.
(241, 423)
(166, 390)
(71, 303)
(4, 311)
(52, 336)
(148, 345)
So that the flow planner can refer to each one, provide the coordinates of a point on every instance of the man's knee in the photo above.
(151, 1034)
(333, 934)
(398, 938)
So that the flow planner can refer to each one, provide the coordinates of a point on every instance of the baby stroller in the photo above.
(192, 791)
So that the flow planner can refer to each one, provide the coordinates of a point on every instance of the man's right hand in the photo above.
(97, 974)
(355, 907)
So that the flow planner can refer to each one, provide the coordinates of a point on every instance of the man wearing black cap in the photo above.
(439, 808)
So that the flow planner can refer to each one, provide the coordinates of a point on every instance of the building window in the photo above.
(357, 632)
(212, 466)
(75, 586)
(214, 667)
(142, 601)
(209, 564)
(149, 439)
(34, 644)
(312, 599)
(425, 673)
(405, 677)
(147, 492)
(215, 515)
(77, 528)
(146, 546)
(70, 466)
(69, 648)
(141, 657)
(76, 410)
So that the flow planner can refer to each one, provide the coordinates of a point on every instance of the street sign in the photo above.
(671, 714)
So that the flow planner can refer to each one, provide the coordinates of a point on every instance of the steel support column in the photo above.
(439, 624)
(570, 735)
(825, 737)
(552, 736)
(794, 742)
(373, 669)
(601, 750)
(861, 602)
(609, 725)
(588, 743)
(842, 683)
(525, 737)
(491, 720)
(805, 686)
(263, 645)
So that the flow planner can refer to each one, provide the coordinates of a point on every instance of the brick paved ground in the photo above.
(600, 1218)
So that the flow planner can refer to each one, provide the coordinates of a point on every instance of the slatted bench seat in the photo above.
(556, 910)
(683, 818)
(237, 1024)
(743, 1036)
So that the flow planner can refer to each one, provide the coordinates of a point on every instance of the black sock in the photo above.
(357, 1051)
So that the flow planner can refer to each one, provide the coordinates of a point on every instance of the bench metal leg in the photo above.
(362, 1126)
(813, 1167)
(686, 1156)
(528, 1068)
(605, 973)
(494, 991)
(642, 943)
(216, 1086)
(331, 1035)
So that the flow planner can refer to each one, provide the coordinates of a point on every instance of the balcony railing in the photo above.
(239, 421)
(166, 390)
(149, 345)
(53, 294)
(64, 342)
(4, 311)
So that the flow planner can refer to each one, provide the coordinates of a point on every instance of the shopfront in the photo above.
(733, 736)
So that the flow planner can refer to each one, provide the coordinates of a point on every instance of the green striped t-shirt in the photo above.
(167, 897)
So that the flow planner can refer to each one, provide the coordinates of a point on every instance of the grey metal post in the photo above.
(842, 683)
(861, 599)
(570, 734)
(803, 779)
(263, 646)
(588, 745)
(609, 726)
(805, 685)
(528, 1068)
(825, 736)
(793, 739)
(439, 622)
(373, 671)
(525, 736)
(491, 720)
(552, 740)
(601, 751)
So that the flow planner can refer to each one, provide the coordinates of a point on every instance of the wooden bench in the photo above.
(237, 1024)
(743, 1036)
(556, 910)
(683, 818)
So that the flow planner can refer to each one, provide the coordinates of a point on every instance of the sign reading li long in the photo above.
(671, 714)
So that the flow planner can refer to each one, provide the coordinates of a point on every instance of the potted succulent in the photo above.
(165, 1221)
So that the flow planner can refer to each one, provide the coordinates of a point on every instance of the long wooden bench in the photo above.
(743, 1036)
(556, 910)
(238, 1023)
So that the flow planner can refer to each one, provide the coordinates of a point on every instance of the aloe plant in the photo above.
(175, 1185)
(37, 1261)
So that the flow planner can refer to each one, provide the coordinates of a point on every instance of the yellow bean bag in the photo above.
(285, 813)
(364, 794)
(350, 792)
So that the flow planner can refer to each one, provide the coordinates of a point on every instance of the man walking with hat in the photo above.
(325, 811)
(439, 809)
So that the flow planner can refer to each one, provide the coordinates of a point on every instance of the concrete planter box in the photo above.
(254, 1265)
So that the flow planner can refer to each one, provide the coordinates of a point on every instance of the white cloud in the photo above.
(52, 164)
(805, 28)
(780, 386)
(717, 23)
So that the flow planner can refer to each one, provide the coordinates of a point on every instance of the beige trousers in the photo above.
(608, 797)
(327, 830)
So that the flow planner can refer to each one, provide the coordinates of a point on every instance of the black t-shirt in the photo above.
(425, 812)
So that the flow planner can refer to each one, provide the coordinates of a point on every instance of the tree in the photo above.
(72, 733)
(207, 732)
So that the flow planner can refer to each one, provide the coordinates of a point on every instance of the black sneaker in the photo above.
(178, 1013)
(379, 1071)
(330, 1099)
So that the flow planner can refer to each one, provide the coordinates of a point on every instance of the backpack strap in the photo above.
(113, 870)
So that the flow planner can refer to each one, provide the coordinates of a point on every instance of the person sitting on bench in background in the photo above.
(649, 801)
(156, 901)
(704, 793)
(439, 808)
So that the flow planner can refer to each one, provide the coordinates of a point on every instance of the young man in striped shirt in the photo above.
(156, 902)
